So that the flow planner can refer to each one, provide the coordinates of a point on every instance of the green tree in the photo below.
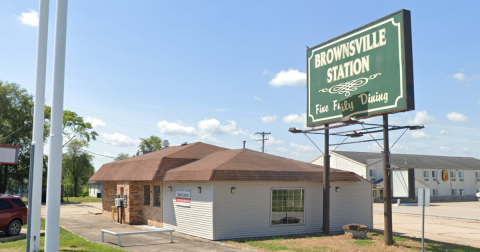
(121, 156)
(153, 143)
(73, 127)
(77, 166)
(15, 129)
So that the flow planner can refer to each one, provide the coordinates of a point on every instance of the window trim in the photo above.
(304, 206)
(425, 172)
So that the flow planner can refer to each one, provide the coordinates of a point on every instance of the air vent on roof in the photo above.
(165, 144)
(183, 144)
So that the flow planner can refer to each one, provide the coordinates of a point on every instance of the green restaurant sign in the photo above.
(363, 73)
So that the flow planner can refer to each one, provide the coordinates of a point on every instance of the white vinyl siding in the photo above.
(342, 163)
(196, 219)
(247, 212)
(351, 204)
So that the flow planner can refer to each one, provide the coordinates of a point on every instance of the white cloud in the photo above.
(294, 118)
(274, 141)
(454, 150)
(457, 117)
(289, 78)
(280, 149)
(118, 139)
(256, 98)
(443, 132)
(269, 119)
(374, 147)
(95, 122)
(460, 76)
(174, 128)
(418, 134)
(220, 110)
(213, 126)
(301, 154)
(302, 147)
(266, 71)
(421, 117)
(29, 18)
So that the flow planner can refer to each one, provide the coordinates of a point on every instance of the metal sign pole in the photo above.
(423, 219)
(326, 183)
(387, 185)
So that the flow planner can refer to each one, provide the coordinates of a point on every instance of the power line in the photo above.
(263, 138)
(98, 154)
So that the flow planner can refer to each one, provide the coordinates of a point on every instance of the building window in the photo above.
(462, 191)
(288, 206)
(434, 192)
(146, 195)
(434, 174)
(425, 174)
(373, 173)
(453, 174)
(122, 192)
(156, 196)
(477, 175)
(460, 174)
(454, 192)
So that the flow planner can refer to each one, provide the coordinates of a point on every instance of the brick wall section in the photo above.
(152, 215)
(108, 196)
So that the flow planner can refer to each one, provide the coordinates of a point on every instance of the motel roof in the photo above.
(414, 161)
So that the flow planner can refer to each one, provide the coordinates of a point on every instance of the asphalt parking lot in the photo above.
(453, 222)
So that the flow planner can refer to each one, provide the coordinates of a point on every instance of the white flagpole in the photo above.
(54, 177)
(35, 195)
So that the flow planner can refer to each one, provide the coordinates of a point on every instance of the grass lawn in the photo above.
(68, 242)
(374, 242)
(81, 199)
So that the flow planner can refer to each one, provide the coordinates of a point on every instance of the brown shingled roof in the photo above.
(248, 165)
(152, 166)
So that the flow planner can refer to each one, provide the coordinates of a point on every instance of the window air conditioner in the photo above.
(426, 179)
(434, 179)
(119, 202)
(454, 179)
(461, 179)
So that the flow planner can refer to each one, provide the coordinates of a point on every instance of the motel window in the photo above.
(454, 191)
(453, 174)
(434, 174)
(477, 174)
(288, 206)
(462, 191)
(425, 174)
(156, 196)
(460, 174)
(373, 173)
(434, 192)
(146, 195)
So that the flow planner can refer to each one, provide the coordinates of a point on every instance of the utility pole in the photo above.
(387, 185)
(263, 139)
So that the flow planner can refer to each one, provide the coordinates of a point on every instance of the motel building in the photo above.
(448, 178)
(217, 193)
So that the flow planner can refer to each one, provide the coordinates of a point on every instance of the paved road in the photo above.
(455, 222)
(80, 219)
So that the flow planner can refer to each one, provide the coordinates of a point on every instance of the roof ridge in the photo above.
(239, 151)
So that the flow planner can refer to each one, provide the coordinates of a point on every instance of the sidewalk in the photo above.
(77, 219)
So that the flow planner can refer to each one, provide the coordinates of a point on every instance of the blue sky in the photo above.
(220, 71)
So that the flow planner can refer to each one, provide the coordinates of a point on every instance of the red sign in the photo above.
(445, 175)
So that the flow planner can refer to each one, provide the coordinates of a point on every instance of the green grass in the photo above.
(271, 245)
(362, 242)
(81, 199)
(68, 242)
